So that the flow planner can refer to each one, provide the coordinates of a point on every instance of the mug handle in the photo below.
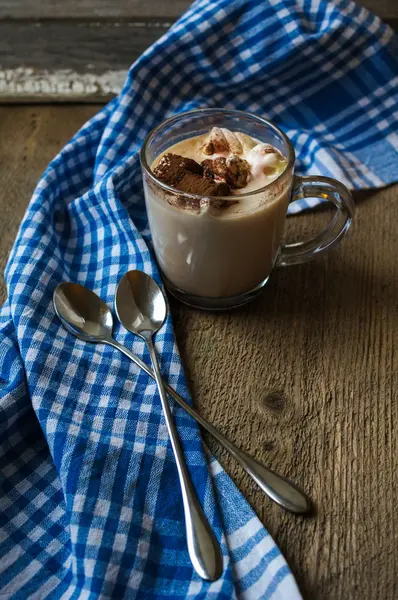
(328, 189)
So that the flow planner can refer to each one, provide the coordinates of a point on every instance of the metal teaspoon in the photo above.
(86, 316)
(141, 307)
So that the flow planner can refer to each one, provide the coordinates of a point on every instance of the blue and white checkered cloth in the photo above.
(89, 503)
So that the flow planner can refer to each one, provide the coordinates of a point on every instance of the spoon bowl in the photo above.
(140, 304)
(82, 312)
(141, 307)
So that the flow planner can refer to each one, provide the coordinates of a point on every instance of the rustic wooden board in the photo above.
(305, 378)
(128, 9)
(80, 51)
(92, 9)
(82, 47)
(68, 60)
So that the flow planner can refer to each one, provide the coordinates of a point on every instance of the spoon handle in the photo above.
(203, 547)
(279, 489)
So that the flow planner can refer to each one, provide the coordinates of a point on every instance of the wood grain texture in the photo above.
(68, 60)
(323, 341)
(29, 138)
(128, 9)
(92, 9)
(305, 378)
(82, 47)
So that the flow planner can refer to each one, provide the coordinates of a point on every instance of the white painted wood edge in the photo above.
(26, 84)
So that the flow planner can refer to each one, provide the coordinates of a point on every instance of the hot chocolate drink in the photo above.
(217, 227)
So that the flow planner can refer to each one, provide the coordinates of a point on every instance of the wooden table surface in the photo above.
(304, 378)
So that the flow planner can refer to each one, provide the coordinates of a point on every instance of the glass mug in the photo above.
(211, 259)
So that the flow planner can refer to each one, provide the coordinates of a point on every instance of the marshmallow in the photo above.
(263, 158)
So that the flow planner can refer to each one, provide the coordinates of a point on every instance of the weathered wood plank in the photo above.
(81, 47)
(130, 9)
(69, 61)
(29, 138)
(92, 9)
(322, 342)
(23, 85)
